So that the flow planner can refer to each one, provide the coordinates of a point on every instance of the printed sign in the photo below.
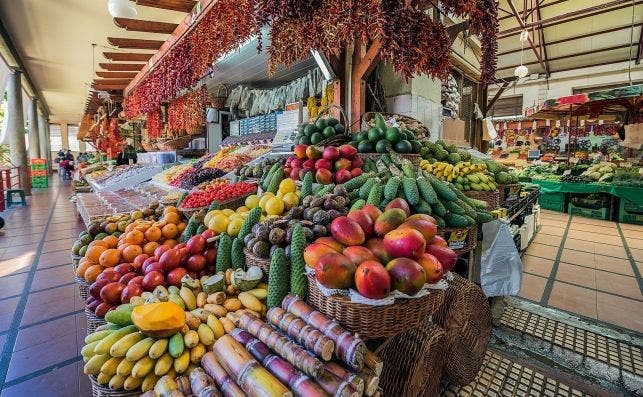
(457, 239)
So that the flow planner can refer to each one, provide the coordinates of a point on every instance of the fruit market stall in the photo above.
(122, 176)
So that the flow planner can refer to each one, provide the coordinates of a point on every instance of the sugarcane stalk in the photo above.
(348, 348)
(289, 350)
(342, 373)
(202, 384)
(373, 362)
(300, 384)
(222, 379)
(253, 379)
(183, 383)
(371, 381)
(307, 336)
(335, 386)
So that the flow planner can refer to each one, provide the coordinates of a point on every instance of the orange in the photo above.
(129, 227)
(153, 234)
(93, 254)
(135, 237)
(170, 208)
(172, 217)
(181, 226)
(160, 224)
(97, 242)
(170, 231)
(112, 241)
(150, 247)
(92, 272)
(110, 257)
(130, 252)
(82, 268)
(170, 242)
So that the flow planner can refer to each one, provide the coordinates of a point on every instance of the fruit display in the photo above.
(197, 177)
(230, 158)
(464, 174)
(322, 128)
(502, 175)
(330, 164)
(167, 176)
(119, 174)
(226, 221)
(221, 192)
(256, 171)
(602, 172)
(382, 139)
(440, 151)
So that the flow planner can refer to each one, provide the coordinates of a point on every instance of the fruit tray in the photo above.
(374, 321)
(491, 197)
(104, 391)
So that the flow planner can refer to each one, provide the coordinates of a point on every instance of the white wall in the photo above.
(562, 84)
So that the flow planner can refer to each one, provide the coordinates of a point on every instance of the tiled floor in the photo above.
(42, 326)
(588, 267)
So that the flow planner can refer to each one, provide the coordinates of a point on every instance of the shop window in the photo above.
(55, 138)
(507, 107)
(72, 133)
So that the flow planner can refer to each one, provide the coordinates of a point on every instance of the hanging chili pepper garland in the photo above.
(484, 23)
(186, 113)
(155, 124)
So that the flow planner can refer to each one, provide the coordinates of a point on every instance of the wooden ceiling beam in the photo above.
(134, 44)
(116, 75)
(138, 25)
(112, 81)
(172, 5)
(127, 56)
(109, 87)
(122, 67)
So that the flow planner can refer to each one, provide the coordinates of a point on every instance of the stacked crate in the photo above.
(39, 173)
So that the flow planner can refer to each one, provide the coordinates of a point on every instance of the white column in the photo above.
(34, 135)
(16, 128)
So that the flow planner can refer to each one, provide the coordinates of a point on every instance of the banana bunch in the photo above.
(123, 357)
(464, 174)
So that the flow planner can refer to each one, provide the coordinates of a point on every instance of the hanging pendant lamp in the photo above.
(522, 71)
(121, 9)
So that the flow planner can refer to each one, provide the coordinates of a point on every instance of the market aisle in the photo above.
(588, 267)
(42, 323)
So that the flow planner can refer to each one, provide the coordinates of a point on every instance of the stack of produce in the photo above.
(602, 172)
(221, 192)
(323, 128)
(502, 175)
(465, 175)
(440, 151)
(382, 139)
(331, 164)
(198, 177)
(168, 175)
(576, 179)
(256, 171)
(632, 176)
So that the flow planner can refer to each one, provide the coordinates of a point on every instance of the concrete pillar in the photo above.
(48, 152)
(42, 133)
(16, 128)
(34, 135)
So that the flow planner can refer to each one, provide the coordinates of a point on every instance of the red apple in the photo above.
(196, 263)
(127, 278)
(155, 266)
(210, 257)
(136, 280)
(342, 164)
(160, 250)
(343, 176)
(152, 280)
(147, 263)
(300, 151)
(174, 277)
(322, 164)
(309, 164)
(94, 289)
(109, 275)
(294, 173)
(170, 260)
(323, 176)
(196, 245)
(124, 268)
(138, 261)
(131, 291)
(111, 293)
(347, 151)
(355, 172)
(331, 153)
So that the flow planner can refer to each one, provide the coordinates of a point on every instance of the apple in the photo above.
(179, 246)
(127, 278)
(152, 280)
(147, 264)
(131, 291)
(323, 176)
(323, 164)
(342, 164)
(124, 268)
(111, 293)
(94, 289)
(138, 261)
(355, 172)
(347, 151)
(309, 164)
(153, 267)
(94, 304)
(136, 280)
(294, 173)
(102, 309)
(196, 245)
(160, 250)
(109, 275)
(174, 277)
(331, 153)
(343, 176)
(196, 263)
(171, 259)
(300, 151)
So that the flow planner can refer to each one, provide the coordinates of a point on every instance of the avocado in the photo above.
(339, 129)
(310, 129)
(392, 134)
(375, 134)
(403, 146)
(361, 136)
(328, 132)
(365, 147)
(316, 138)
(383, 146)
(321, 123)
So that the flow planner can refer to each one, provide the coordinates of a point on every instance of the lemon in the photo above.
(208, 216)
(287, 186)
(264, 199)
(219, 223)
(243, 208)
(274, 206)
(234, 226)
(290, 200)
(252, 201)
(227, 212)
(280, 194)
(234, 216)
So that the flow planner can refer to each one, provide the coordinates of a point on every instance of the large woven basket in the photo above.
(413, 362)
(149, 146)
(374, 321)
(83, 287)
(253, 260)
(413, 158)
(93, 321)
(174, 144)
(336, 140)
(411, 124)
(75, 260)
(509, 192)
(104, 391)
(465, 316)
(458, 246)
(492, 197)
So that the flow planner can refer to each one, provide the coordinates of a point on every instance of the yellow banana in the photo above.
(117, 382)
(109, 368)
(181, 363)
(93, 366)
(158, 348)
(106, 343)
(163, 364)
(132, 383)
(120, 348)
(140, 349)
(124, 369)
(143, 367)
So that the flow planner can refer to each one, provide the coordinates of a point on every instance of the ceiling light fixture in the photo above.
(121, 9)
(522, 71)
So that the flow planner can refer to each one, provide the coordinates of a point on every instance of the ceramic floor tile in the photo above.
(532, 287)
(637, 254)
(594, 222)
(620, 311)
(12, 285)
(57, 245)
(543, 251)
(536, 265)
(578, 258)
(60, 382)
(615, 265)
(547, 239)
(630, 226)
(635, 243)
(7, 310)
(579, 245)
(632, 234)
(595, 237)
(584, 227)
(54, 258)
(52, 277)
(561, 224)
(578, 275)
(43, 333)
(610, 250)
(574, 299)
(554, 231)
(618, 284)
(19, 251)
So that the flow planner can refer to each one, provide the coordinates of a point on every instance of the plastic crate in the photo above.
(38, 162)
(40, 184)
(630, 206)
(38, 167)
(38, 173)
(552, 201)
(630, 212)
(602, 213)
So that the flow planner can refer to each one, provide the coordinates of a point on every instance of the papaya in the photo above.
(159, 320)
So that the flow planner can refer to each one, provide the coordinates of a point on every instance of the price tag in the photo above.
(457, 239)
(512, 193)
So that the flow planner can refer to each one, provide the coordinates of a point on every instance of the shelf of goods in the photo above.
(122, 177)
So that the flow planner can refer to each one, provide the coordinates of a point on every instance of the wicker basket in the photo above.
(374, 321)
(218, 101)
(469, 243)
(509, 192)
(83, 287)
(465, 316)
(105, 391)
(336, 140)
(413, 158)
(492, 198)
(252, 260)
(75, 260)
(174, 144)
(411, 124)
(149, 146)
(93, 321)
(413, 362)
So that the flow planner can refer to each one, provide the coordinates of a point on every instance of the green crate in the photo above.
(630, 206)
(40, 185)
(38, 167)
(39, 179)
(602, 213)
(552, 201)
(630, 212)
